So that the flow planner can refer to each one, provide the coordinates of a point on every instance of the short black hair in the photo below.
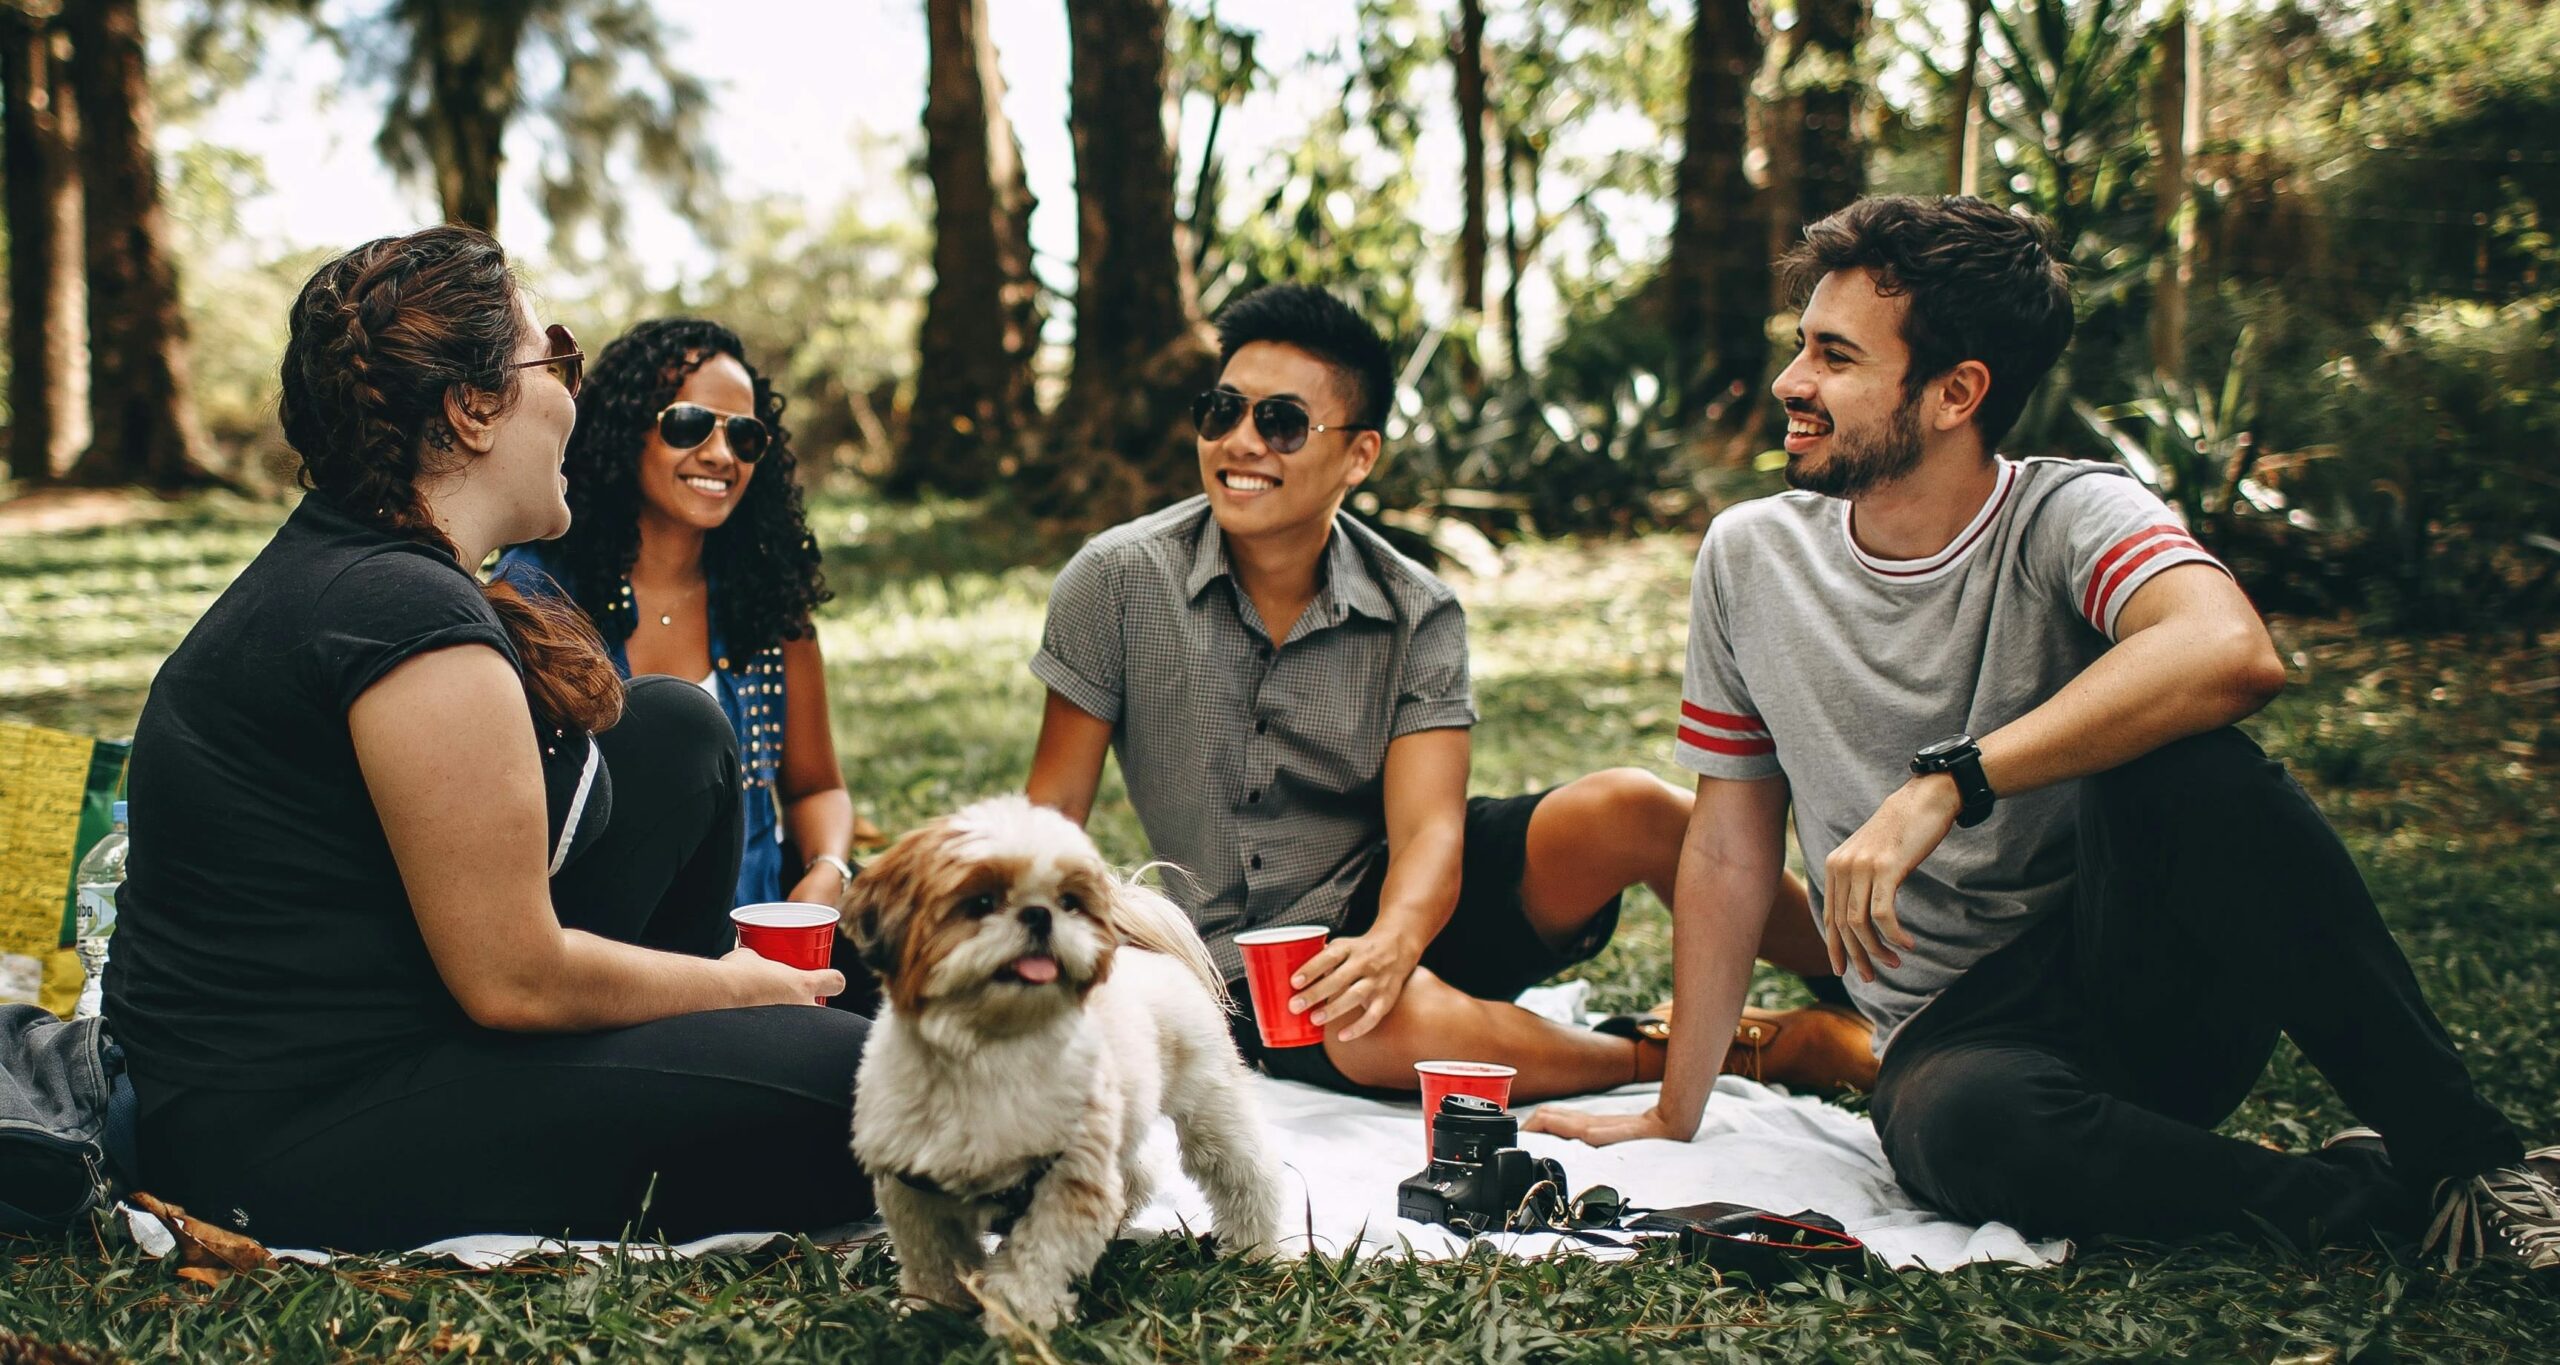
(1983, 283)
(1322, 326)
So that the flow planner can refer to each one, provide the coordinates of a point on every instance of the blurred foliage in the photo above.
(1337, 206)
(2369, 378)
(827, 299)
(2381, 186)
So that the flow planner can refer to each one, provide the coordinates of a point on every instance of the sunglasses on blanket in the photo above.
(1284, 423)
(686, 425)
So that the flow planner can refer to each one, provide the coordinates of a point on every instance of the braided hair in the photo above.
(763, 555)
(376, 342)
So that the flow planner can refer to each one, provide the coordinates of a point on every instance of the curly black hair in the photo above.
(767, 562)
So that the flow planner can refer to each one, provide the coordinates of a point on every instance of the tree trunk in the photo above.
(1964, 152)
(974, 400)
(1119, 442)
(142, 423)
(1825, 162)
(47, 426)
(472, 90)
(1716, 276)
(1466, 54)
(1519, 182)
(2176, 108)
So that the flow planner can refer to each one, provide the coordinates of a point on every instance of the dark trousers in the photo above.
(728, 1120)
(2068, 1084)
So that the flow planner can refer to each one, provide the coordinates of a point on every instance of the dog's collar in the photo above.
(1011, 1202)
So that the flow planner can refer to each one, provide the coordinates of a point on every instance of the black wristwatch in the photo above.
(1960, 758)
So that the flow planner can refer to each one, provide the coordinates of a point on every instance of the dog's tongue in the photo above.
(1039, 971)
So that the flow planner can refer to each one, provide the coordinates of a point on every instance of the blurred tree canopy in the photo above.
(2312, 242)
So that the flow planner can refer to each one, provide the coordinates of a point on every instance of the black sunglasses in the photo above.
(1285, 423)
(686, 425)
(564, 360)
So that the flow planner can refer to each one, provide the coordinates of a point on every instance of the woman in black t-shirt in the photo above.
(425, 930)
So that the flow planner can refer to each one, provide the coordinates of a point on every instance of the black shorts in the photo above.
(1488, 949)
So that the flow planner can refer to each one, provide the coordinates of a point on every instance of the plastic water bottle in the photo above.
(101, 873)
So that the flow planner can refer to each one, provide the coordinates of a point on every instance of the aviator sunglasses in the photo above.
(565, 359)
(686, 425)
(1284, 423)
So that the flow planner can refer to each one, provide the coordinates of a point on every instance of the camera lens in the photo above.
(1470, 1130)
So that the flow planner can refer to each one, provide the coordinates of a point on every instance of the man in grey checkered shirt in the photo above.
(1290, 703)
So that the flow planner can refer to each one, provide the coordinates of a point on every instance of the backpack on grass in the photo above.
(57, 1087)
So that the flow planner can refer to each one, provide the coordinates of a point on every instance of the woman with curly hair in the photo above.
(426, 930)
(688, 550)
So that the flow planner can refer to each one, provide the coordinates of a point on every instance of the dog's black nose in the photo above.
(1036, 919)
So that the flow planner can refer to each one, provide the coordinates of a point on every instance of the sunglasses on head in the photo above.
(565, 360)
(1285, 423)
(686, 425)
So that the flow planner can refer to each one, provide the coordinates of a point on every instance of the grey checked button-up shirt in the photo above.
(1259, 772)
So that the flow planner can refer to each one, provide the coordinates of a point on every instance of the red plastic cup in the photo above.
(1271, 956)
(1487, 1080)
(795, 933)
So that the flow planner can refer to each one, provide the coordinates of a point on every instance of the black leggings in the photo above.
(724, 1121)
(2069, 1083)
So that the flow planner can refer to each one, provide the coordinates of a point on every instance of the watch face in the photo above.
(1950, 745)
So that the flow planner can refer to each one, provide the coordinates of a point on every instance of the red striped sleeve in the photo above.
(2117, 566)
(1718, 744)
(1721, 720)
(1742, 736)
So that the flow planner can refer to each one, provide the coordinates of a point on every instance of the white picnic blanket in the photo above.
(1342, 1157)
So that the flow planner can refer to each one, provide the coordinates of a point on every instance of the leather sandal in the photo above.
(1820, 1047)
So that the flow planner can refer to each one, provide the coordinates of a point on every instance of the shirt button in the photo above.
(1255, 862)
(1253, 798)
(1261, 726)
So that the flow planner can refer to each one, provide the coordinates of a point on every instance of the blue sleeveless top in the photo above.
(750, 690)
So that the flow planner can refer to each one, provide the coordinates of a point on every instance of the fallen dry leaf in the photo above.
(206, 1254)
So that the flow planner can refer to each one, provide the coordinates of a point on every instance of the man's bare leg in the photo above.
(1596, 836)
(1434, 1019)
(1588, 841)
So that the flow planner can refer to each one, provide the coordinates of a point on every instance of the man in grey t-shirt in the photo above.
(2077, 904)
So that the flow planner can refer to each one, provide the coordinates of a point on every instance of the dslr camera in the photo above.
(1479, 1180)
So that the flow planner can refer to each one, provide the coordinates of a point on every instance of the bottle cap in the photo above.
(119, 812)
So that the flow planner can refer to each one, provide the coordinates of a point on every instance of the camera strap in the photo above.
(1730, 1238)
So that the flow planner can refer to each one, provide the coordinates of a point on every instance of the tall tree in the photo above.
(1817, 161)
(1118, 442)
(47, 371)
(2177, 111)
(1964, 120)
(974, 399)
(142, 424)
(1717, 273)
(457, 76)
(1466, 56)
(456, 92)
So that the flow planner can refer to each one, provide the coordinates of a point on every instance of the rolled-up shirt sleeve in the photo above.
(1435, 692)
(1721, 733)
(1081, 654)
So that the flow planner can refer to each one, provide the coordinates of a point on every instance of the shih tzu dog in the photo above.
(1039, 1011)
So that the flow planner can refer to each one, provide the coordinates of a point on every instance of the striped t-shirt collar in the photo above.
(1945, 561)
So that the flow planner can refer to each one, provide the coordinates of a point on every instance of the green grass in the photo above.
(2436, 759)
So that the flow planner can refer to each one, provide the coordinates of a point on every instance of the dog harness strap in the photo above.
(1011, 1202)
